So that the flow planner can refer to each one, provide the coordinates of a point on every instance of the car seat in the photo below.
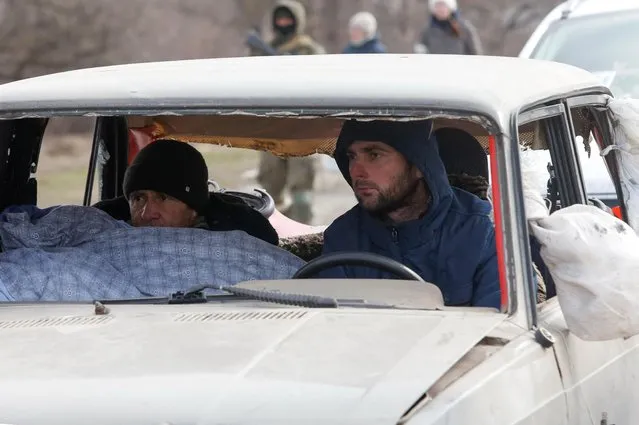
(465, 160)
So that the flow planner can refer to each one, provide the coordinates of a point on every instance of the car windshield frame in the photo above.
(508, 228)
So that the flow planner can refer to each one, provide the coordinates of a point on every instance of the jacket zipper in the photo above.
(394, 235)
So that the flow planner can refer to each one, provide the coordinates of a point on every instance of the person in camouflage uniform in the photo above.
(275, 173)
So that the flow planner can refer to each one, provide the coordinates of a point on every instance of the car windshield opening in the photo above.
(166, 231)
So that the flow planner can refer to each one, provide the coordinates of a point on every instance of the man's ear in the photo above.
(417, 172)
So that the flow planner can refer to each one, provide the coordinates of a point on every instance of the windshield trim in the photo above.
(393, 113)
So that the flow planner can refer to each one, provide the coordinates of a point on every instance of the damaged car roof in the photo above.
(470, 83)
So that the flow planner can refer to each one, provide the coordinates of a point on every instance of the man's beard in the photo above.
(399, 195)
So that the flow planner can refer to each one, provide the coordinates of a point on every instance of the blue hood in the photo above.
(415, 141)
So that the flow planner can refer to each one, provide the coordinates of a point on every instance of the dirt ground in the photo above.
(64, 161)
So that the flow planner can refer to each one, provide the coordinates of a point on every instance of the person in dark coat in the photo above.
(166, 185)
(290, 181)
(363, 37)
(408, 211)
(447, 32)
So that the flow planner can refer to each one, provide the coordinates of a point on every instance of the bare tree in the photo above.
(42, 36)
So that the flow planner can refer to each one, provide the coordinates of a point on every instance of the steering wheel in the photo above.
(366, 259)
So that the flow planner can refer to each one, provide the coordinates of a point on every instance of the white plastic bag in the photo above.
(593, 258)
(534, 177)
(626, 127)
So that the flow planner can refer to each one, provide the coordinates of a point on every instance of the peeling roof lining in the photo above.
(283, 136)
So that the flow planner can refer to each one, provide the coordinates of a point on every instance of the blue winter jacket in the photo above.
(371, 46)
(452, 245)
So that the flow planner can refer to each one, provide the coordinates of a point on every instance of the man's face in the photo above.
(382, 179)
(356, 35)
(283, 21)
(441, 11)
(156, 209)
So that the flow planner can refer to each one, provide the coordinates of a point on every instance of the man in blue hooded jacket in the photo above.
(408, 211)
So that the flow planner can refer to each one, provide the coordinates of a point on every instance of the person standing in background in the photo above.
(277, 174)
(447, 32)
(363, 37)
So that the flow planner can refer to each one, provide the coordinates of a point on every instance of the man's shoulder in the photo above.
(344, 223)
(312, 46)
(343, 233)
(470, 205)
(380, 47)
(303, 44)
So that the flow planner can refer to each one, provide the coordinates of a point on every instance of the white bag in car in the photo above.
(594, 260)
(626, 128)
(534, 177)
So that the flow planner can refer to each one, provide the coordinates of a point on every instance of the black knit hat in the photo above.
(174, 168)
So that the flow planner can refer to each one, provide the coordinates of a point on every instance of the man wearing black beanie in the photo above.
(166, 185)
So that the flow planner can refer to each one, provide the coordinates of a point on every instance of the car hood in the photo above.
(225, 364)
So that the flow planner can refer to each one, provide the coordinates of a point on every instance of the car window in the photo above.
(596, 177)
(536, 157)
(544, 172)
(598, 182)
(64, 161)
(605, 44)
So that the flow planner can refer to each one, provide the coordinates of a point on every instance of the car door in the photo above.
(599, 377)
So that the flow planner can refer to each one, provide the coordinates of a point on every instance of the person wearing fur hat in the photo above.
(166, 185)
(363, 37)
(447, 32)
(408, 211)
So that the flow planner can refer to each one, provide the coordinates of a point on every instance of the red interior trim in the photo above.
(597, 136)
(138, 139)
(499, 231)
(617, 212)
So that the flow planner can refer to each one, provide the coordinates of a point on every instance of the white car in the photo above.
(600, 36)
(302, 350)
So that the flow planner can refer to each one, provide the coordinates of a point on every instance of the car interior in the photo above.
(290, 137)
(463, 147)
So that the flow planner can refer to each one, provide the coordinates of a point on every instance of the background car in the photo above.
(600, 36)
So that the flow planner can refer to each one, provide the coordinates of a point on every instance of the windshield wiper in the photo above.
(195, 295)
(298, 300)
(175, 298)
